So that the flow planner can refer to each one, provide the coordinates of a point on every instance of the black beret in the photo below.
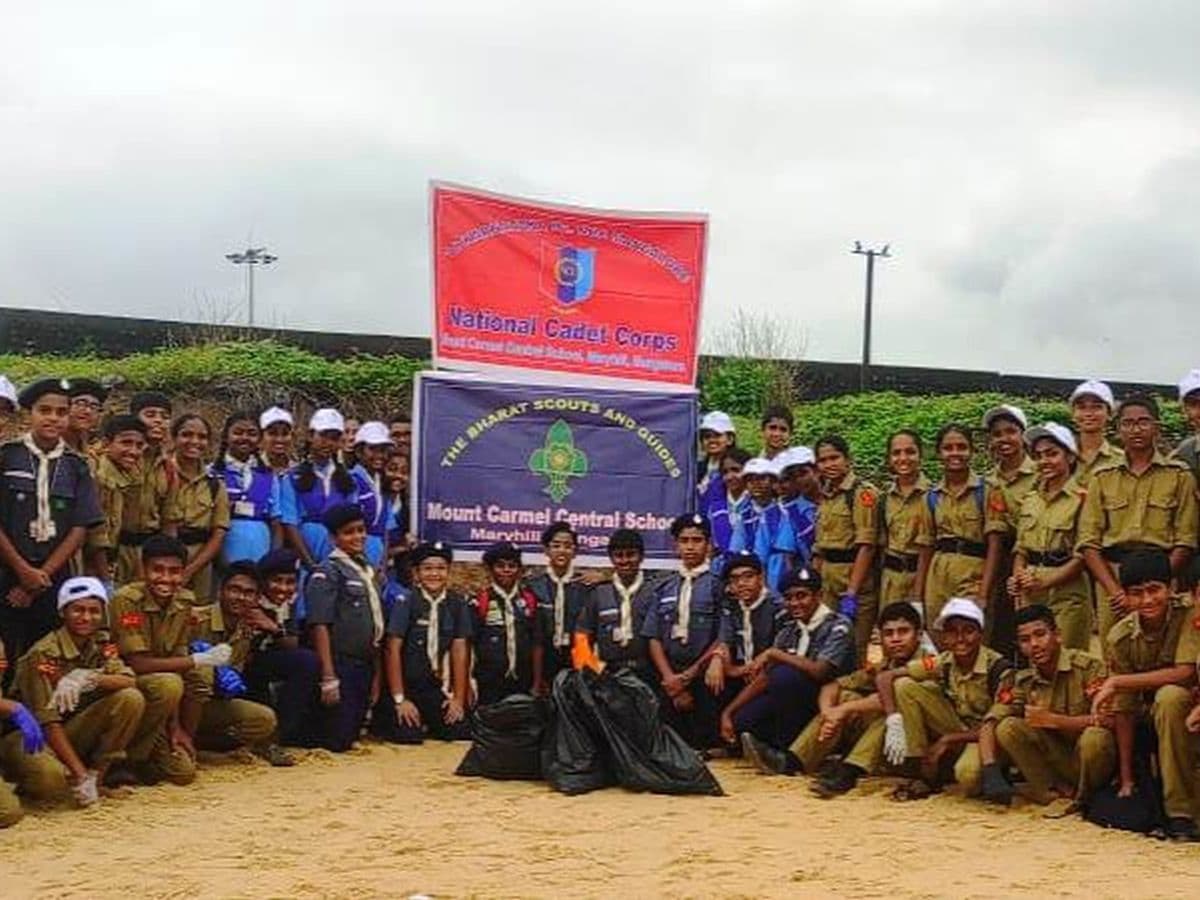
(31, 393)
(430, 549)
(802, 577)
(278, 562)
(691, 520)
(1142, 566)
(115, 425)
(500, 552)
(743, 559)
(88, 387)
(159, 545)
(339, 516)
(241, 567)
(147, 400)
(557, 528)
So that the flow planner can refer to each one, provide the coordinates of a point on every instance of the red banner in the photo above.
(523, 285)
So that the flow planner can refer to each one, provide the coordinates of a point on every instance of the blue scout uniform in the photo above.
(557, 645)
(338, 596)
(600, 619)
(396, 518)
(766, 617)
(802, 514)
(253, 490)
(411, 619)
(305, 509)
(724, 517)
(375, 511)
(499, 674)
(767, 530)
(70, 501)
(393, 593)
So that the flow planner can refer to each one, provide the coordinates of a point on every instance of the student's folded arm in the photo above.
(145, 664)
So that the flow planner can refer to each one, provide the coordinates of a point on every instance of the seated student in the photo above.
(426, 658)
(1153, 654)
(942, 698)
(850, 723)
(725, 503)
(506, 630)
(751, 617)
(559, 592)
(1044, 724)
(345, 623)
(765, 528)
(798, 485)
(229, 717)
(614, 611)
(151, 620)
(682, 630)
(82, 694)
(814, 646)
(28, 740)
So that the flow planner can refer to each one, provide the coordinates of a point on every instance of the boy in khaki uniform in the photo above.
(118, 486)
(146, 506)
(29, 738)
(943, 698)
(1152, 656)
(151, 621)
(83, 696)
(1144, 501)
(1043, 721)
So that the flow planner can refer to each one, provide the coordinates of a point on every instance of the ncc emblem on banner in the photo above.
(567, 273)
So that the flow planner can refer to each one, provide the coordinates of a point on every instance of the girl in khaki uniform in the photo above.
(1045, 567)
(956, 505)
(906, 526)
(847, 534)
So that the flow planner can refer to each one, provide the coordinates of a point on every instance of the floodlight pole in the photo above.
(251, 257)
(870, 254)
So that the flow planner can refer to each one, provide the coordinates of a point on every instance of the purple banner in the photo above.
(502, 460)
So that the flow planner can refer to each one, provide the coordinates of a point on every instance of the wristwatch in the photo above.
(397, 699)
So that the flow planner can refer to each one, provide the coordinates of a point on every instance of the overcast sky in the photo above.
(1035, 166)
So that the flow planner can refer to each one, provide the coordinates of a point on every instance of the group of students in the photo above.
(813, 623)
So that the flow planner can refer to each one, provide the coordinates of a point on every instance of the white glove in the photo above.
(895, 746)
(87, 791)
(71, 687)
(331, 693)
(219, 655)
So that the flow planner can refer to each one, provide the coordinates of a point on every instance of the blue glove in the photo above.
(32, 739)
(228, 682)
(848, 605)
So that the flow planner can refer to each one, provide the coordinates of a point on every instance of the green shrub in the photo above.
(742, 386)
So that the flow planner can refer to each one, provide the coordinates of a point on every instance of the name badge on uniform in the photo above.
(243, 508)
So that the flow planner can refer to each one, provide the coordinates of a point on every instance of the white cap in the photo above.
(327, 420)
(274, 416)
(80, 587)
(1005, 409)
(961, 608)
(1189, 382)
(759, 465)
(796, 456)
(373, 434)
(1094, 388)
(1060, 434)
(8, 391)
(717, 421)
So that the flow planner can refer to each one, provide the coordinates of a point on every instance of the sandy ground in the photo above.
(391, 822)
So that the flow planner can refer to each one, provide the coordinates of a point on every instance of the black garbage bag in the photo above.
(506, 739)
(575, 759)
(645, 754)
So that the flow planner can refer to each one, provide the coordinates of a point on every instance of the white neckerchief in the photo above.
(732, 505)
(42, 528)
(245, 470)
(748, 627)
(683, 608)
(806, 629)
(626, 595)
(377, 490)
(325, 477)
(367, 574)
(508, 611)
(561, 638)
(433, 634)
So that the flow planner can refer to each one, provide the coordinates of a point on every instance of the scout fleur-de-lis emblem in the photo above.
(558, 460)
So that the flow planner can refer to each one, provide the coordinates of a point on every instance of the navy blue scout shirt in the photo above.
(409, 621)
(490, 639)
(703, 622)
(74, 502)
(337, 597)
(544, 589)
(832, 641)
(600, 619)
(766, 621)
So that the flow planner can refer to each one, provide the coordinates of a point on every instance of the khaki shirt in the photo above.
(47, 661)
(1068, 692)
(1107, 454)
(969, 692)
(1157, 508)
(908, 525)
(158, 482)
(1048, 524)
(199, 502)
(119, 492)
(239, 637)
(140, 625)
(862, 681)
(958, 514)
(1006, 493)
(1132, 649)
(847, 516)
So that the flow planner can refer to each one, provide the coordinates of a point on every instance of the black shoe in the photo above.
(828, 768)
(766, 758)
(995, 787)
(838, 782)
(1183, 829)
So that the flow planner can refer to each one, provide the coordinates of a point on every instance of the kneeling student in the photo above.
(29, 740)
(1044, 724)
(936, 705)
(614, 612)
(509, 649)
(84, 697)
(426, 656)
